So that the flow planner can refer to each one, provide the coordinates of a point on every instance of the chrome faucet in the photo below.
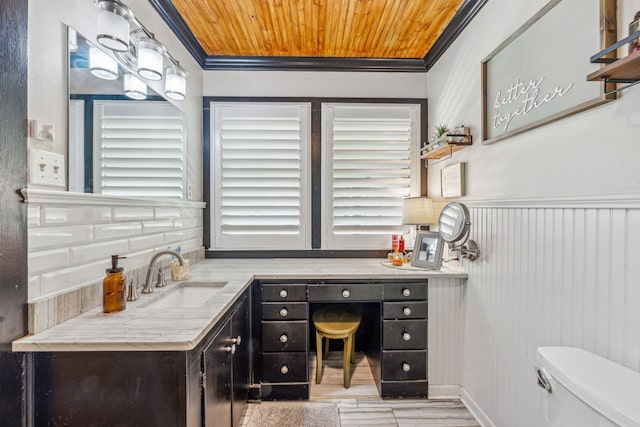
(147, 283)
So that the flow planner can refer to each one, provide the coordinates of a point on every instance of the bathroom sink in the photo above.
(187, 295)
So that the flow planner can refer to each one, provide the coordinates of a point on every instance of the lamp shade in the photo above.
(150, 58)
(102, 65)
(134, 88)
(418, 211)
(113, 25)
(175, 85)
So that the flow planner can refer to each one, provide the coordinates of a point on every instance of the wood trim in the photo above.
(606, 201)
(37, 196)
(459, 22)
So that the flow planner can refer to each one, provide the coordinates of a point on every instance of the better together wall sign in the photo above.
(538, 75)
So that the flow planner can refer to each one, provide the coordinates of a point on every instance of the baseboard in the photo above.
(475, 409)
(444, 391)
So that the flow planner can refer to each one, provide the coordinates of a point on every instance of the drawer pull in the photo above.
(284, 369)
(406, 367)
(406, 311)
(283, 293)
(237, 340)
(284, 338)
(406, 336)
(406, 292)
(284, 312)
(346, 293)
(231, 349)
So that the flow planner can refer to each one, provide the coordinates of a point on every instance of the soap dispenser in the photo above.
(113, 287)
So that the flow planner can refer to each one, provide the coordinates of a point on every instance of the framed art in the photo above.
(427, 252)
(538, 76)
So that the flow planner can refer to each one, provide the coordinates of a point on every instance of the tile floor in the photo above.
(360, 405)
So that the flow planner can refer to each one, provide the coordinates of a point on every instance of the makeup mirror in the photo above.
(454, 225)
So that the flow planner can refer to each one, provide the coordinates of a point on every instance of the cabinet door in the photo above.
(241, 360)
(216, 360)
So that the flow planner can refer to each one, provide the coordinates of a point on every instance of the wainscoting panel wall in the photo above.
(547, 275)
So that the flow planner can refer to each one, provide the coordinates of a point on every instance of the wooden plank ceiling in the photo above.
(317, 28)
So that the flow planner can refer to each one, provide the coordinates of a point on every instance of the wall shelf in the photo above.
(623, 70)
(447, 144)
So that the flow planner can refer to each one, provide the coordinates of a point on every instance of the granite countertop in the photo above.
(142, 328)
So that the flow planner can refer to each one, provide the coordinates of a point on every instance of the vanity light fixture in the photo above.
(138, 51)
(113, 24)
(102, 65)
(134, 88)
(150, 58)
(175, 85)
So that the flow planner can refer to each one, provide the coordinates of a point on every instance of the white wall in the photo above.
(557, 265)
(48, 21)
(315, 84)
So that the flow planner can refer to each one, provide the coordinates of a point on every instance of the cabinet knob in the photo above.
(406, 292)
(346, 293)
(284, 369)
(406, 336)
(406, 367)
(237, 340)
(230, 349)
(284, 312)
(283, 293)
(406, 311)
(284, 338)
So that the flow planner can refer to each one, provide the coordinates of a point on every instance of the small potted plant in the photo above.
(440, 130)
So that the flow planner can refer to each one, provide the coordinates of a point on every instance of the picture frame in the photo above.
(536, 76)
(427, 251)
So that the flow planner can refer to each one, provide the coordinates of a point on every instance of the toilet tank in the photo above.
(586, 390)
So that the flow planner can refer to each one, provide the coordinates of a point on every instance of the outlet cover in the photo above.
(47, 168)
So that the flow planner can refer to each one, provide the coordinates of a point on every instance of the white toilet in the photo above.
(586, 390)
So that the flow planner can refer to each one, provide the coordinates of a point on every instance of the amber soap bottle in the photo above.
(113, 288)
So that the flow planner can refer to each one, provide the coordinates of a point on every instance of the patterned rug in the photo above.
(292, 414)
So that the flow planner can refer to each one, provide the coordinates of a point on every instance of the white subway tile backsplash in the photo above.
(97, 251)
(128, 213)
(70, 215)
(164, 213)
(115, 231)
(145, 242)
(34, 216)
(149, 227)
(175, 236)
(191, 212)
(43, 261)
(183, 223)
(33, 291)
(61, 280)
(57, 237)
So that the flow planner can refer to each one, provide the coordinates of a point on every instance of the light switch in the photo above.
(47, 168)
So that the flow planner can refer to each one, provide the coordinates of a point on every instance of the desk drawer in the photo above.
(284, 311)
(284, 292)
(346, 292)
(284, 367)
(404, 334)
(284, 336)
(405, 291)
(404, 310)
(404, 365)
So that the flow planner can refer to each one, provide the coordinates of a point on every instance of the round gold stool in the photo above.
(336, 322)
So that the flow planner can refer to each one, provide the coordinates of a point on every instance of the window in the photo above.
(277, 185)
(140, 149)
(261, 172)
(368, 154)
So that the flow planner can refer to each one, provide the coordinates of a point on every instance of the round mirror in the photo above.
(454, 223)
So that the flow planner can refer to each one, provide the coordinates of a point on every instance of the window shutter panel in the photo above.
(369, 152)
(141, 150)
(261, 170)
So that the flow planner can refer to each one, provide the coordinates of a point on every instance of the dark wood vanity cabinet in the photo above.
(205, 386)
(225, 370)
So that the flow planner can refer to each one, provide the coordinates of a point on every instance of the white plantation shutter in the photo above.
(369, 150)
(261, 176)
(141, 149)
